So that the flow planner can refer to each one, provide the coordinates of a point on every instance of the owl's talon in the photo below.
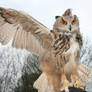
(66, 85)
(79, 84)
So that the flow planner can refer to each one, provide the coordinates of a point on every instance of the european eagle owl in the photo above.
(58, 50)
(62, 59)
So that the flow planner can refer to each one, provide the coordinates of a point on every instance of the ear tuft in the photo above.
(68, 12)
(57, 17)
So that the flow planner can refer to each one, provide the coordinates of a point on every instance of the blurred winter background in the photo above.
(19, 68)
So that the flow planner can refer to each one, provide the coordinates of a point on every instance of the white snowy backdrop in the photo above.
(13, 65)
(15, 62)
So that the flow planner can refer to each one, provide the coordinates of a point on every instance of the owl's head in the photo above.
(67, 22)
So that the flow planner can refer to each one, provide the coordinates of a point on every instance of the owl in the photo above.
(58, 49)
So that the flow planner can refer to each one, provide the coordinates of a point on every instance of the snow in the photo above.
(11, 64)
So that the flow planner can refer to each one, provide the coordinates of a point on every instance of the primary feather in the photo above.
(26, 32)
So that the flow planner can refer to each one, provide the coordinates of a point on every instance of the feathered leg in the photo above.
(65, 84)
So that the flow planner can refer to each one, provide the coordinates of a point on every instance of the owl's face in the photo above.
(67, 22)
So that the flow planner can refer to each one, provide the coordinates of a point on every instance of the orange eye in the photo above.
(64, 22)
(74, 21)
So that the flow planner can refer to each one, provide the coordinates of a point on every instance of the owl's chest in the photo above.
(65, 50)
(74, 46)
(65, 45)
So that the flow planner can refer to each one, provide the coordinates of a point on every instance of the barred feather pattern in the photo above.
(61, 44)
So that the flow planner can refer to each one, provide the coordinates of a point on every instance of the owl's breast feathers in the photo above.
(61, 44)
(64, 47)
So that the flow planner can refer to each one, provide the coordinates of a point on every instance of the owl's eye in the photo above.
(74, 21)
(64, 22)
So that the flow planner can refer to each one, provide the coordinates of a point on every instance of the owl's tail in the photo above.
(85, 73)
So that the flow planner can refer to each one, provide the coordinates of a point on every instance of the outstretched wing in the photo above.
(25, 31)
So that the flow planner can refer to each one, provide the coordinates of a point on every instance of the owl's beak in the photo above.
(70, 27)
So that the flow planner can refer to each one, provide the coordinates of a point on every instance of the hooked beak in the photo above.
(70, 27)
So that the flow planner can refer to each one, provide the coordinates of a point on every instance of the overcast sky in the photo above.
(46, 10)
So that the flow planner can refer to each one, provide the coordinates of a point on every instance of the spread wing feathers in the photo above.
(26, 32)
(85, 73)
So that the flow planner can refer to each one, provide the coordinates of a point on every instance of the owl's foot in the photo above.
(66, 84)
(80, 84)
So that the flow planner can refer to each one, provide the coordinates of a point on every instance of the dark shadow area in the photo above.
(26, 83)
(73, 89)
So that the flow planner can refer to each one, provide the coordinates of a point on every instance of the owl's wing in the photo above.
(24, 30)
